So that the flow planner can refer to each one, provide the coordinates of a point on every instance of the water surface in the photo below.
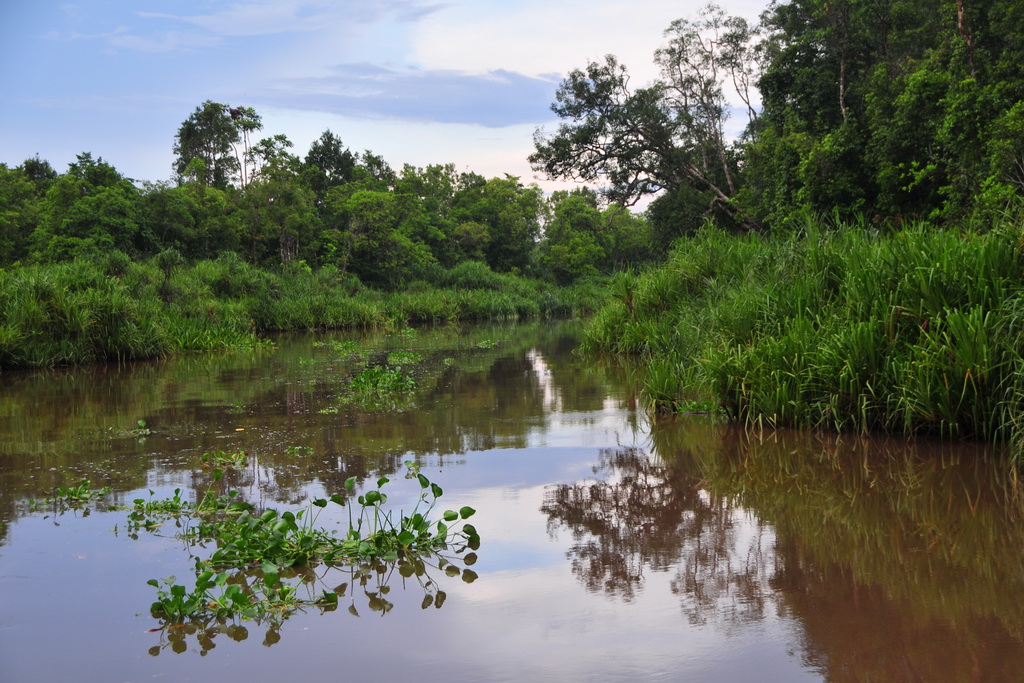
(613, 549)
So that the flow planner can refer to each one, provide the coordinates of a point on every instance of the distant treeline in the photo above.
(333, 208)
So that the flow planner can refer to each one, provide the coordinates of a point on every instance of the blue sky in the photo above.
(416, 81)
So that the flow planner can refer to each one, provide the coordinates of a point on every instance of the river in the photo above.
(613, 548)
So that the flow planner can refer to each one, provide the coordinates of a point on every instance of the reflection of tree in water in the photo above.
(650, 515)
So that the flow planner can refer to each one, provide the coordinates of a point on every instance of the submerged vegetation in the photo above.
(261, 561)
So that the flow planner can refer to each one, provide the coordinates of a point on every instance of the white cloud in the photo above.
(169, 41)
(494, 99)
(284, 16)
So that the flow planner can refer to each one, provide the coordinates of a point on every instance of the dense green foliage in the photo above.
(110, 308)
(349, 213)
(915, 332)
(902, 122)
(899, 111)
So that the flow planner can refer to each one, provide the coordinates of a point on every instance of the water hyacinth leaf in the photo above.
(269, 568)
(436, 490)
(320, 502)
(372, 497)
(406, 538)
(466, 512)
(336, 498)
(424, 482)
(450, 515)
(382, 481)
(350, 483)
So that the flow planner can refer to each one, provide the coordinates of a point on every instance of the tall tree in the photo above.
(218, 136)
(662, 137)
(328, 164)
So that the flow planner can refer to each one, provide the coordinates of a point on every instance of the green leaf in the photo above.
(382, 481)
(466, 512)
(424, 482)
(320, 502)
(437, 491)
(350, 483)
(450, 515)
(153, 583)
(373, 497)
(336, 498)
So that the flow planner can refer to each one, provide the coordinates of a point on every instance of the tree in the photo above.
(574, 242)
(217, 135)
(328, 164)
(662, 137)
(511, 214)
(278, 218)
(376, 247)
(19, 207)
(90, 209)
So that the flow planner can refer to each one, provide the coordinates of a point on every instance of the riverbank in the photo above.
(845, 329)
(115, 309)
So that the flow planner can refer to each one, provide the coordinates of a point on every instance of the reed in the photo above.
(838, 328)
(113, 309)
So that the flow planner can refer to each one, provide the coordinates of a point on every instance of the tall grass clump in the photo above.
(110, 308)
(842, 328)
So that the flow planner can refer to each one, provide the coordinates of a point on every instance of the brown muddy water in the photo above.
(612, 549)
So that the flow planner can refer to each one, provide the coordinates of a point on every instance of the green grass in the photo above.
(114, 309)
(843, 329)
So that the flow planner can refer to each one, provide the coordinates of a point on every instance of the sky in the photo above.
(415, 81)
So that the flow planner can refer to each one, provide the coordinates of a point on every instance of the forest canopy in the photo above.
(891, 110)
(881, 111)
